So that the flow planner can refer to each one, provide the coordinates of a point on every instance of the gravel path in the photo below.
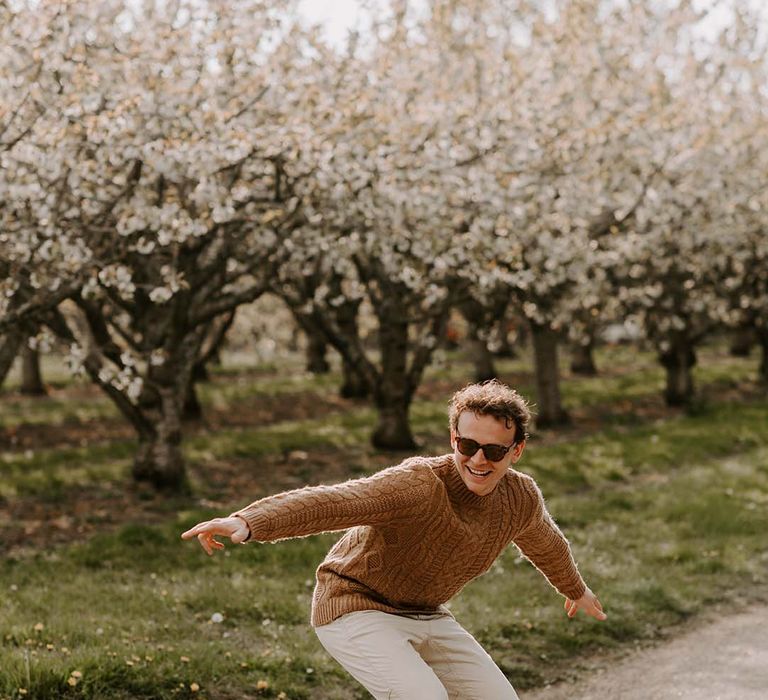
(722, 660)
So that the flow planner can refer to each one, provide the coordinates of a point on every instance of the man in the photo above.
(416, 534)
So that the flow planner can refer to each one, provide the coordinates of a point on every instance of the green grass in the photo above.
(627, 375)
(658, 545)
(54, 474)
(665, 518)
(132, 612)
(52, 410)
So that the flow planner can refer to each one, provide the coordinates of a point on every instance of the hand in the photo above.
(588, 603)
(234, 527)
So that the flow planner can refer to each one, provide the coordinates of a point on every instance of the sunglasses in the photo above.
(493, 453)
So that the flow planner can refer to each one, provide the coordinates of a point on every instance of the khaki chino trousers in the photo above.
(414, 657)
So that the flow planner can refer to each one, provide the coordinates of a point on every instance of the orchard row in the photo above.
(163, 164)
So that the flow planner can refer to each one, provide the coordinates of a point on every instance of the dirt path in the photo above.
(722, 660)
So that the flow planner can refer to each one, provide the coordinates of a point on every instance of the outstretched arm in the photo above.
(542, 542)
(397, 493)
(234, 527)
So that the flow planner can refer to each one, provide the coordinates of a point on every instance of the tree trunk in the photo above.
(10, 342)
(200, 371)
(317, 344)
(742, 341)
(193, 410)
(393, 395)
(159, 462)
(156, 413)
(678, 362)
(481, 357)
(393, 430)
(31, 378)
(504, 347)
(159, 459)
(210, 352)
(478, 317)
(316, 351)
(550, 410)
(353, 384)
(583, 359)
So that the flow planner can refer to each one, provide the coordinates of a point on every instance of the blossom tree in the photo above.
(154, 188)
(27, 285)
(616, 144)
(669, 258)
(381, 222)
(553, 95)
(740, 257)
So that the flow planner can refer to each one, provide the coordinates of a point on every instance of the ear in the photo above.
(517, 452)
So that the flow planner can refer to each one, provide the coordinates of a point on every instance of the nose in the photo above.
(477, 459)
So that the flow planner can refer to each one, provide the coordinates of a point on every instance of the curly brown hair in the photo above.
(492, 398)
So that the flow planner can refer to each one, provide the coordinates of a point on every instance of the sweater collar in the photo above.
(458, 489)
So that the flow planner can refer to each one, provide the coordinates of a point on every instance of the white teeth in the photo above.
(472, 471)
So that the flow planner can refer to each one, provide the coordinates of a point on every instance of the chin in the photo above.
(479, 488)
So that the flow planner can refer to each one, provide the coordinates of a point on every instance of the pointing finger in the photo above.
(196, 530)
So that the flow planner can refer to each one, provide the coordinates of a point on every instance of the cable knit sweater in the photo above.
(415, 536)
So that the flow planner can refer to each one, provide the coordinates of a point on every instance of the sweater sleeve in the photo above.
(390, 495)
(545, 546)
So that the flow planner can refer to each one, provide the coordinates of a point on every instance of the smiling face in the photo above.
(479, 474)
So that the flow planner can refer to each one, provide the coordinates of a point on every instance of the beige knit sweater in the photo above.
(415, 536)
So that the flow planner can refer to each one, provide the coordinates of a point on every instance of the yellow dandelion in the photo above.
(76, 674)
(194, 687)
(185, 659)
(262, 685)
(39, 627)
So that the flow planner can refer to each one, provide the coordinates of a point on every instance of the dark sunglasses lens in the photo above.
(494, 452)
(468, 447)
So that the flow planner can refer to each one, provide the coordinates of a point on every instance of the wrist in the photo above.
(242, 519)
